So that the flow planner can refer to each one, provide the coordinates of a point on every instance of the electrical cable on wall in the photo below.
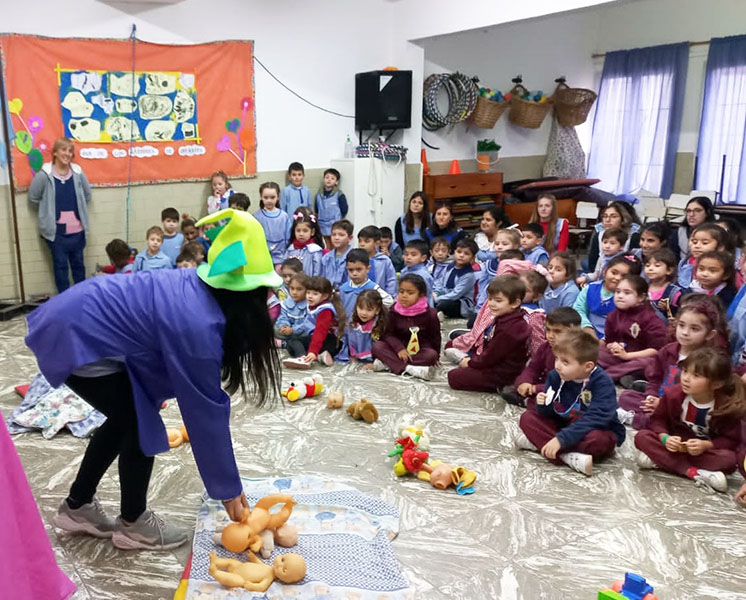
(272, 75)
(132, 138)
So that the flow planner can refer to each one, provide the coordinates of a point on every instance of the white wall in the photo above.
(562, 44)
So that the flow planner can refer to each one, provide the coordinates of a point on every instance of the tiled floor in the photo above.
(531, 531)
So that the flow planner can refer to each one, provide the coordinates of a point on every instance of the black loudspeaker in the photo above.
(383, 100)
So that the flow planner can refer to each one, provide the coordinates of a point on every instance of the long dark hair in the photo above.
(304, 215)
(409, 216)
(435, 229)
(248, 343)
(372, 299)
(715, 365)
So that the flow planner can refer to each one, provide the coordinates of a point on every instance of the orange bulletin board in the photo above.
(174, 113)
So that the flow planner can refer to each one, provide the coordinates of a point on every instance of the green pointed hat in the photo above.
(239, 257)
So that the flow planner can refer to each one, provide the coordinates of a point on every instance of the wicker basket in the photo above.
(525, 113)
(572, 105)
(487, 112)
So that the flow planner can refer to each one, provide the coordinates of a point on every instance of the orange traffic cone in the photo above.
(455, 168)
(423, 160)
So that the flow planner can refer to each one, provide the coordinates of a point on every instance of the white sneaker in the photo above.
(645, 462)
(625, 416)
(326, 358)
(715, 480)
(582, 463)
(454, 355)
(441, 316)
(425, 373)
(523, 443)
(379, 366)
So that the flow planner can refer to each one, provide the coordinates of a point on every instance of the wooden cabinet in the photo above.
(470, 194)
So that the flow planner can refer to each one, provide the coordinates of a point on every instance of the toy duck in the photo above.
(305, 388)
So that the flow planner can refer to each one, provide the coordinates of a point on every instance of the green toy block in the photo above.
(610, 595)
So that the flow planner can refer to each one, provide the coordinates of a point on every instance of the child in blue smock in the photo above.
(562, 289)
(295, 193)
(596, 301)
(331, 204)
(358, 267)
(306, 243)
(334, 262)
(275, 222)
(456, 298)
(381, 268)
(532, 244)
(368, 325)
(415, 263)
(294, 308)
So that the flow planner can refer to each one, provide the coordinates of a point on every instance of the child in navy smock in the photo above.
(455, 299)
(575, 420)
(275, 222)
(295, 193)
(368, 325)
(331, 204)
(334, 262)
(415, 263)
(305, 244)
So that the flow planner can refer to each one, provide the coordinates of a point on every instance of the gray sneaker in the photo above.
(89, 518)
(149, 532)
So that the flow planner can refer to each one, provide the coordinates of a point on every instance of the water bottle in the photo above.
(349, 148)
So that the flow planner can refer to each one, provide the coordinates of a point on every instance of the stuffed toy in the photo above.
(305, 388)
(363, 410)
(335, 399)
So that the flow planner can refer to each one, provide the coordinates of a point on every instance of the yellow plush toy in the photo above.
(305, 388)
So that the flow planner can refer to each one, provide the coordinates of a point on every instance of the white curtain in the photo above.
(723, 124)
(638, 117)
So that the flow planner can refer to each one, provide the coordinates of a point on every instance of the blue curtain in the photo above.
(723, 125)
(638, 118)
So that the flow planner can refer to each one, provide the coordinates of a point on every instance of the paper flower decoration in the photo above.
(224, 143)
(35, 124)
(233, 126)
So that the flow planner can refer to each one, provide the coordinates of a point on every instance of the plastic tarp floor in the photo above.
(532, 530)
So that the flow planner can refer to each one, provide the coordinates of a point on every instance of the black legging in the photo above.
(297, 345)
(112, 395)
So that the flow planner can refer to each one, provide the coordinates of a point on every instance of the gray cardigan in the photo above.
(41, 194)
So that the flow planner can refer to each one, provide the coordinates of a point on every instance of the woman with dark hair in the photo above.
(126, 344)
(698, 210)
(413, 224)
(444, 225)
(614, 215)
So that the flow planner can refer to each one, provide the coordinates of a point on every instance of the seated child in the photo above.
(186, 260)
(535, 284)
(664, 294)
(633, 333)
(575, 421)
(152, 258)
(293, 308)
(562, 289)
(613, 242)
(172, 239)
(334, 262)
(120, 258)
(715, 276)
(239, 201)
(358, 267)
(391, 249)
(706, 237)
(415, 259)
(532, 238)
(191, 233)
(288, 268)
(318, 335)
(275, 222)
(699, 324)
(411, 343)
(531, 380)
(331, 204)
(367, 326)
(506, 341)
(596, 301)
(440, 259)
(381, 268)
(196, 249)
(696, 429)
(455, 298)
(505, 239)
(306, 243)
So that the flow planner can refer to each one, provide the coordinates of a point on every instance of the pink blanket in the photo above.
(28, 569)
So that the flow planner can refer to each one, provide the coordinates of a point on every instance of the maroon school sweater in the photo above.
(537, 369)
(660, 367)
(506, 352)
(723, 431)
(638, 328)
(397, 331)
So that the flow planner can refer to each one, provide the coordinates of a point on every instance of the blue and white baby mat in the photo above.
(343, 535)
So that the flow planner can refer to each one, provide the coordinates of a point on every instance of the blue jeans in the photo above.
(67, 249)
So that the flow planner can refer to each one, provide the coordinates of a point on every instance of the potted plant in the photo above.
(487, 154)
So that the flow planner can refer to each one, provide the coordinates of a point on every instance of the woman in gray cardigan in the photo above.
(61, 192)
